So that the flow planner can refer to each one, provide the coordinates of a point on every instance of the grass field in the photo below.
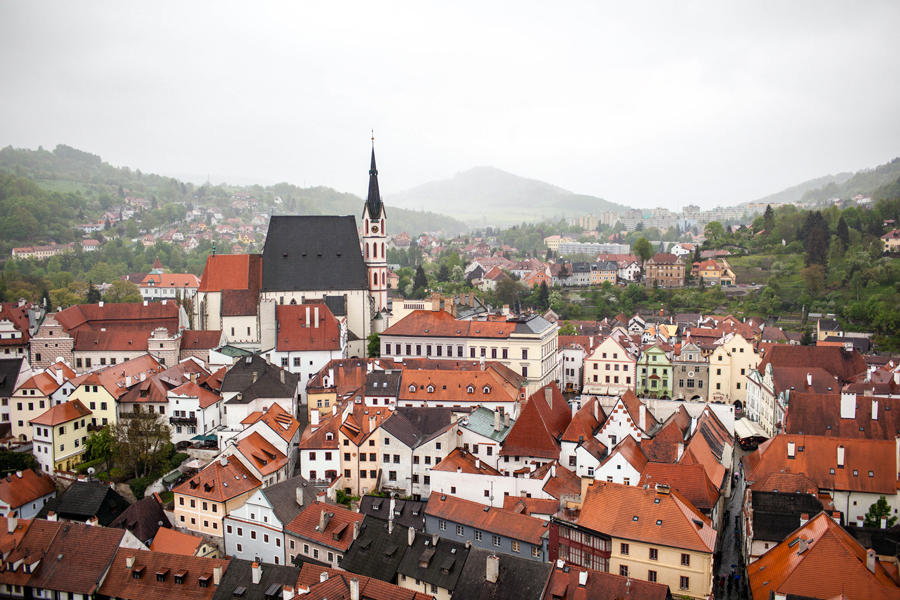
(61, 186)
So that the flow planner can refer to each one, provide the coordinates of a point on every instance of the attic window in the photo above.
(412, 388)
(161, 574)
(203, 580)
(486, 389)
(634, 518)
(659, 521)
(137, 571)
(179, 577)
(656, 501)
(430, 389)
(855, 473)
(239, 591)
(470, 389)
(329, 436)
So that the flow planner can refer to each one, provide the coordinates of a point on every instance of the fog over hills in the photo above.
(489, 196)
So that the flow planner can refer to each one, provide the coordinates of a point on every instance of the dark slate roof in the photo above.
(777, 514)
(240, 574)
(239, 378)
(143, 519)
(434, 560)
(885, 542)
(535, 324)
(414, 426)
(520, 578)
(383, 383)
(337, 305)
(407, 513)
(376, 553)
(283, 498)
(86, 499)
(861, 344)
(313, 253)
(9, 371)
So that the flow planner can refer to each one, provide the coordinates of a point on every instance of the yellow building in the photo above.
(59, 435)
(358, 444)
(660, 537)
(603, 271)
(729, 365)
(97, 398)
(205, 499)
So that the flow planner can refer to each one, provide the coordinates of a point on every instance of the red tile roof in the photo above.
(200, 340)
(529, 506)
(820, 414)
(690, 480)
(789, 483)
(441, 324)
(464, 462)
(565, 584)
(338, 533)
(819, 560)
(62, 413)
(448, 387)
(23, 487)
(494, 520)
(179, 280)
(171, 541)
(837, 361)
(192, 390)
(219, 483)
(565, 481)
(336, 585)
(265, 457)
(794, 379)
(632, 513)
(229, 272)
(540, 425)
(280, 421)
(120, 317)
(815, 456)
(298, 330)
(121, 583)
(44, 383)
(631, 451)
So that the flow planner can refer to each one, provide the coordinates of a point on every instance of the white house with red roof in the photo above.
(193, 411)
(158, 286)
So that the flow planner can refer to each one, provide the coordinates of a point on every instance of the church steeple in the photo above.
(373, 202)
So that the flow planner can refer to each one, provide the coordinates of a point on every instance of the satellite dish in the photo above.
(91, 471)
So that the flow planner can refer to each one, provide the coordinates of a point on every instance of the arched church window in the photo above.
(382, 279)
(367, 249)
(382, 249)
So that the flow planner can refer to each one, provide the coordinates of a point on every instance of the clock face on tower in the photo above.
(374, 228)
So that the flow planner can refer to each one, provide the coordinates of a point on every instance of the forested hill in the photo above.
(795, 192)
(488, 196)
(864, 182)
(67, 169)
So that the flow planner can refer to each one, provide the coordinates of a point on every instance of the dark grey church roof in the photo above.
(376, 553)
(407, 513)
(313, 253)
(239, 378)
(519, 579)
(439, 564)
(373, 201)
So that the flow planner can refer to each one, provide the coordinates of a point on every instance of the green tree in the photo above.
(769, 219)
(714, 231)
(140, 439)
(93, 294)
(123, 291)
(543, 299)
(443, 273)
(100, 445)
(643, 250)
(817, 248)
(879, 509)
(420, 282)
(373, 348)
(843, 232)
(567, 329)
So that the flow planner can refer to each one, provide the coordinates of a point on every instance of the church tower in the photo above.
(375, 242)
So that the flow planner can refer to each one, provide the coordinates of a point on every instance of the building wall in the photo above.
(729, 365)
(99, 401)
(668, 566)
(411, 583)
(654, 362)
(255, 528)
(609, 359)
(489, 541)
(208, 520)
(486, 489)
(308, 549)
(23, 407)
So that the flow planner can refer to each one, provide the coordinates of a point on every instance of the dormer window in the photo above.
(412, 388)
(430, 389)
(329, 436)
(486, 389)
(470, 389)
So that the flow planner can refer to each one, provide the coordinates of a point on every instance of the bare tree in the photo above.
(139, 440)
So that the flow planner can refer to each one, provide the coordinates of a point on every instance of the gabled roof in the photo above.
(9, 372)
(585, 422)
(815, 456)
(176, 280)
(264, 457)
(564, 482)
(565, 583)
(633, 405)
(461, 461)
(121, 583)
(377, 551)
(279, 420)
(793, 483)
(777, 514)
(483, 420)
(218, 482)
(154, 388)
(633, 513)
(518, 578)
(268, 383)
(129, 316)
(190, 389)
(193, 339)
(43, 383)
(414, 426)
(143, 518)
(528, 506)
(820, 414)
(338, 533)
(690, 480)
(433, 560)
(282, 497)
(22, 487)
(406, 513)
(272, 577)
(797, 379)
(298, 330)
(62, 413)
(86, 499)
(707, 446)
(837, 361)
(819, 560)
(231, 272)
(67, 567)
(313, 253)
(489, 519)
(631, 451)
(443, 386)
(171, 541)
(541, 423)
(336, 585)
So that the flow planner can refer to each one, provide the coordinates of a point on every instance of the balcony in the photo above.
(183, 421)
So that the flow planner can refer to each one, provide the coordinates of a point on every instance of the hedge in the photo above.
(83, 467)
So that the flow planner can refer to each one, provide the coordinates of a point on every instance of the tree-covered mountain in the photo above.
(863, 182)
(488, 196)
(67, 169)
(795, 192)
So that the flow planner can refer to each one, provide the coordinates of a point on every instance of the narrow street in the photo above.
(730, 563)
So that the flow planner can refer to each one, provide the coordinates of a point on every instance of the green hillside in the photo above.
(488, 196)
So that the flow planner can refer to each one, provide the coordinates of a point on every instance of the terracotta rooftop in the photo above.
(541, 423)
(192, 390)
(229, 272)
(690, 480)
(791, 483)
(337, 586)
(219, 483)
(493, 520)
(158, 576)
(177, 280)
(528, 506)
(633, 513)
(819, 560)
(22, 487)
(171, 541)
(565, 584)
(298, 330)
(193, 339)
(134, 316)
(440, 386)
(464, 462)
(837, 361)
(62, 413)
(265, 457)
(338, 532)
(631, 451)
(799, 379)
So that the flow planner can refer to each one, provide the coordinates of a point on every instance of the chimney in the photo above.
(642, 418)
(100, 304)
(848, 405)
(93, 521)
(217, 575)
(497, 420)
(506, 420)
(553, 471)
(143, 376)
(870, 560)
(323, 521)
(548, 396)
(316, 312)
(307, 315)
(356, 529)
(333, 409)
(582, 578)
(680, 451)
(803, 546)
(840, 457)
(897, 377)
(434, 539)
(314, 418)
(255, 376)
(390, 526)
(287, 593)
(129, 561)
(323, 577)
(12, 522)
(354, 589)
(51, 516)
(809, 379)
(128, 381)
(791, 449)
(145, 303)
(282, 375)
(411, 536)
(257, 573)
(19, 474)
(223, 461)
(478, 463)
(471, 299)
(804, 519)
(493, 569)
(874, 410)
(299, 496)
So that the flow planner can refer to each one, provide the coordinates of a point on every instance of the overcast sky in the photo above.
(645, 104)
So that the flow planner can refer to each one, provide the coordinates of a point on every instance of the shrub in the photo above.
(140, 485)
(83, 467)
(176, 460)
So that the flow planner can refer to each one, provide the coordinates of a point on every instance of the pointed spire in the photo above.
(373, 202)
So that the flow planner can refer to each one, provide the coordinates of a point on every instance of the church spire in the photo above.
(373, 202)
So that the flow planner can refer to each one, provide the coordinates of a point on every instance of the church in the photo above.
(309, 258)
